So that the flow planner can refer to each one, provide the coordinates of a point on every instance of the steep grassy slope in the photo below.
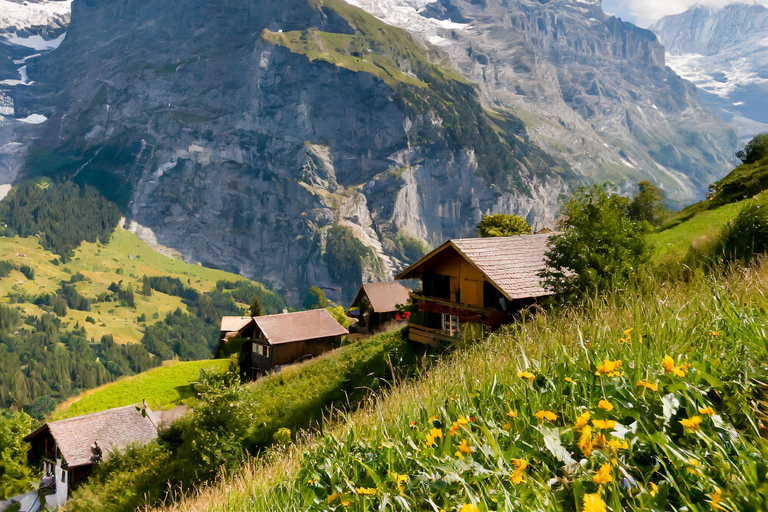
(642, 401)
(162, 387)
(296, 398)
(700, 223)
(125, 259)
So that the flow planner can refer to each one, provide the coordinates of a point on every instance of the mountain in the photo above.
(725, 53)
(311, 143)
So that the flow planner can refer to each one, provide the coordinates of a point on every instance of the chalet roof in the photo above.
(510, 263)
(114, 429)
(298, 326)
(384, 297)
(234, 323)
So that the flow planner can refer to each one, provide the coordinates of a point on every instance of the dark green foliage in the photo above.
(755, 150)
(28, 271)
(59, 306)
(600, 249)
(648, 204)
(181, 335)
(41, 359)
(142, 318)
(73, 298)
(6, 267)
(15, 475)
(346, 257)
(747, 235)
(62, 215)
(10, 318)
(315, 299)
(124, 295)
(172, 286)
(243, 292)
(502, 224)
(407, 248)
(146, 288)
(255, 309)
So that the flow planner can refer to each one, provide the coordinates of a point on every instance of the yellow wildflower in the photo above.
(433, 435)
(368, 491)
(469, 508)
(715, 333)
(693, 423)
(706, 410)
(627, 332)
(399, 479)
(716, 497)
(506, 426)
(546, 415)
(594, 503)
(694, 466)
(585, 441)
(609, 366)
(605, 404)
(517, 474)
(604, 424)
(458, 424)
(345, 503)
(568, 379)
(647, 385)
(669, 367)
(603, 475)
(333, 497)
(618, 445)
(582, 421)
(464, 447)
(512, 414)
(654, 489)
(433, 418)
(526, 375)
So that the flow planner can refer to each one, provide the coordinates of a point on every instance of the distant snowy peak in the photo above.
(707, 31)
(17, 16)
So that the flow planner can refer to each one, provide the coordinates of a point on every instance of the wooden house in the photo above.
(375, 305)
(480, 281)
(273, 341)
(68, 450)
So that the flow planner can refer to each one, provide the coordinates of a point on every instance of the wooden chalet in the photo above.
(68, 450)
(475, 281)
(375, 305)
(273, 341)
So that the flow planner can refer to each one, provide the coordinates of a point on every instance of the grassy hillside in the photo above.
(125, 259)
(162, 387)
(700, 223)
(296, 398)
(642, 401)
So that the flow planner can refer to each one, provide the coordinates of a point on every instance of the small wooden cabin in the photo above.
(375, 305)
(273, 341)
(68, 450)
(479, 281)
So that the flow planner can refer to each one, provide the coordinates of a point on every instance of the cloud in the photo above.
(646, 12)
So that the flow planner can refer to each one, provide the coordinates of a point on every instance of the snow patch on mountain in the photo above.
(28, 15)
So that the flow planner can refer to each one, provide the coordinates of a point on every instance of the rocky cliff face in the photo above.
(240, 136)
(725, 53)
(241, 133)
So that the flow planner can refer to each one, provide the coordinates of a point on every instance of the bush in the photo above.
(755, 150)
(600, 247)
(315, 299)
(15, 474)
(346, 257)
(282, 436)
(747, 234)
(502, 224)
(648, 204)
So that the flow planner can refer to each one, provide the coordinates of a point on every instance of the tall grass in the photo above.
(467, 434)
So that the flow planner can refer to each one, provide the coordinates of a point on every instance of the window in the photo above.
(260, 350)
(450, 325)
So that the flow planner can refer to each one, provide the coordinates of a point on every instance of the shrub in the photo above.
(648, 204)
(315, 299)
(600, 247)
(747, 234)
(282, 436)
(15, 474)
(755, 150)
(502, 224)
(346, 257)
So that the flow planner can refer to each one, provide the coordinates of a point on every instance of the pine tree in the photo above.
(255, 309)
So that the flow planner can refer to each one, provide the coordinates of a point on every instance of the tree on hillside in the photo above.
(648, 204)
(755, 150)
(502, 224)
(600, 246)
(15, 474)
(255, 309)
(315, 299)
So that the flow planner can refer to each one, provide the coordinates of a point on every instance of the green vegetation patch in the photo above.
(162, 387)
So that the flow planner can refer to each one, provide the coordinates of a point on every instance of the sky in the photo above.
(645, 12)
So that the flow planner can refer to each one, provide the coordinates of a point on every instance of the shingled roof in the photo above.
(114, 429)
(234, 323)
(384, 297)
(512, 263)
(299, 326)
